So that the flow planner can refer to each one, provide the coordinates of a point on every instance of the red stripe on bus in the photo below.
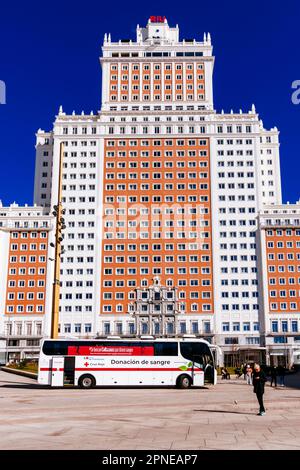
(44, 369)
(131, 369)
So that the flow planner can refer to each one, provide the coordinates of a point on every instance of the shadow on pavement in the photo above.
(229, 412)
(107, 387)
(23, 385)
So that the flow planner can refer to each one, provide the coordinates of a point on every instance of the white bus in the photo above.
(137, 362)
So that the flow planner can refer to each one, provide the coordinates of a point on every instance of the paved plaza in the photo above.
(33, 417)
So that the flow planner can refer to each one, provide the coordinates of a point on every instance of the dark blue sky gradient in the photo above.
(49, 56)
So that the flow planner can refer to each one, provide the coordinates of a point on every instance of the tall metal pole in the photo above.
(58, 239)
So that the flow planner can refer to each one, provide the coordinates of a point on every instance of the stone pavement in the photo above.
(34, 417)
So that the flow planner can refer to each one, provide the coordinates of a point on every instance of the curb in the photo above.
(23, 373)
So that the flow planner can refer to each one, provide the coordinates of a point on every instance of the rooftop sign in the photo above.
(157, 19)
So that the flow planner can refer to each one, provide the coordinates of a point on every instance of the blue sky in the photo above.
(49, 56)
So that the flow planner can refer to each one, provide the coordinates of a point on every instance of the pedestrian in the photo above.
(274, 376)
(249, 374)
(281, 375)
(259, 379)
(244, 371)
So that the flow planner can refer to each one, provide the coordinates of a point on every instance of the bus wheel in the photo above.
(183, 381)
(86, 381)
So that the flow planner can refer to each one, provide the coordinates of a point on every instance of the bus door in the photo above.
(57, 375)
(197, 371)
(69, 370)
(209, 372)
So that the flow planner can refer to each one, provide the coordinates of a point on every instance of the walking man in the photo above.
(274, 376)
(259, 379)
(281, 375)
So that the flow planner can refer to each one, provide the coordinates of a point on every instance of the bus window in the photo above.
(165, 349)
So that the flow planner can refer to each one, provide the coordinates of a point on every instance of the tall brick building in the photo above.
(163, 192)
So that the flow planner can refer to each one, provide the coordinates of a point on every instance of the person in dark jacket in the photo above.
(274, 376)
(281, 375)
(259, 380)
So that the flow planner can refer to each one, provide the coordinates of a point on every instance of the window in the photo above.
(106, 328)
(294, 326)
(280, 339)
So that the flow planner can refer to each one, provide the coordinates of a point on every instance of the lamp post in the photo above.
(58, 212)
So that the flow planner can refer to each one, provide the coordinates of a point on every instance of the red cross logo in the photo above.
(86, 364)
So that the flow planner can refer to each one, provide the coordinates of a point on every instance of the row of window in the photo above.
(284, 256)
(238, 163)
(242, 270)
(80, 165)
(235, 295)
(25, 309)
(158, 259)
(131, 296)
(283, 293)
(286, 232)
(30, 234)
(26, 271)
(158, 175)
(166, 66)
(76, 308)
(29, 283)
(283, 269)
(181, 198)
(235, 340)
(77, 296)
(234, 222)
(157, 143)
(28, 296)
(77, 328)
(234, 210)
(25, 247)
(78, 272)
(157, 187)
(283, 306)
(80, 187)
(27, 328)
(283, 244)
(159, 247)
(194, 308)
(157, 164)
(240, 197)
(237, 326)
(283, 280)
(25, 259)
(284, 326)
(236, 307)
(156, 86)
(157, 271)
(118, 234)
(146, 97)
(120, 328)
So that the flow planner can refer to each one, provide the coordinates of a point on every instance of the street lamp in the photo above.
(58, 213)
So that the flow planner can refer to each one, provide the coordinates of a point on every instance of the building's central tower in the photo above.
(157, 69)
